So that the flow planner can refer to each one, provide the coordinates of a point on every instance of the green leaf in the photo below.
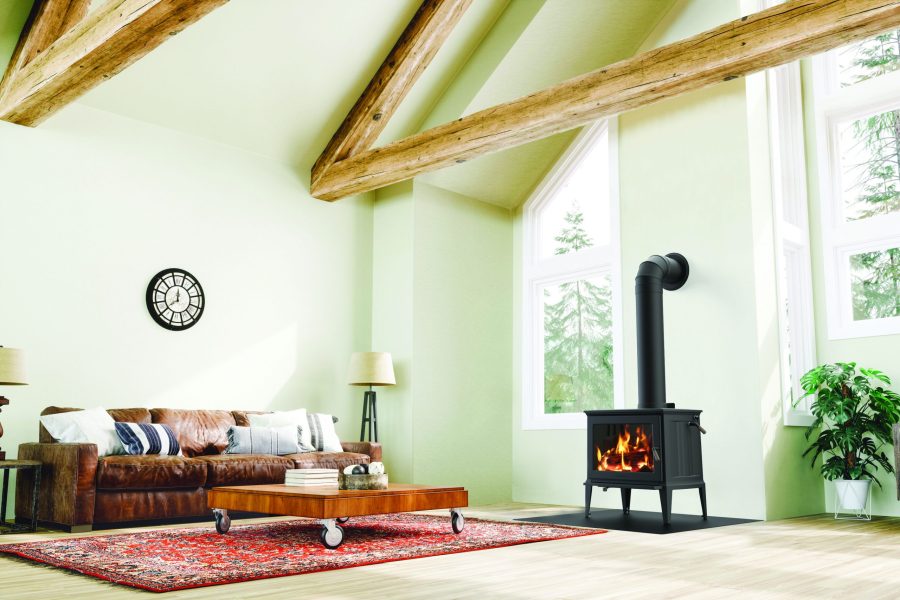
(853, 418)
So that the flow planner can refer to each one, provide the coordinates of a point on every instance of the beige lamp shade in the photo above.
(371, 368)
(12, 367)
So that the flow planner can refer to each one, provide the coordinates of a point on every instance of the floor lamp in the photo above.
(370, 369)
(12, 372)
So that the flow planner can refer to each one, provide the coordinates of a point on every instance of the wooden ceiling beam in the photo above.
(49, 19)
(97, 47)
(414, 50)
(781, 34)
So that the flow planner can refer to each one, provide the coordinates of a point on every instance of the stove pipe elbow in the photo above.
(654, 275)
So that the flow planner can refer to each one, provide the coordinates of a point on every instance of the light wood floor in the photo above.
(812, 557)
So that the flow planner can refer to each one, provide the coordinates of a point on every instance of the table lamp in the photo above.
(370, 369)
(12, 372)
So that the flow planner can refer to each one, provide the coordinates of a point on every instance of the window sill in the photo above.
(798, 419)
(554, 421)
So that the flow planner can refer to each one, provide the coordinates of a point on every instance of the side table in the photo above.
(6, 465)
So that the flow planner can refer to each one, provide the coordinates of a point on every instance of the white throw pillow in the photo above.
(92, 426)
(295, 418)
(324, 436)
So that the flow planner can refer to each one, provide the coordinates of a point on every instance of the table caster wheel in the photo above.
(457, 520)
(223, 521)
(331, 536)
(342, 519)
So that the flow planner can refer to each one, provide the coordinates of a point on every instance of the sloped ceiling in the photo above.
(565, 38)
(277, 77)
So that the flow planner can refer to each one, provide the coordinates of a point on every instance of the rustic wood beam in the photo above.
(414, 50)
(48, 20)
(98, 46)
(781, 34)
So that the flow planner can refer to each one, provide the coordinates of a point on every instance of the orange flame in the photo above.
(629, 454)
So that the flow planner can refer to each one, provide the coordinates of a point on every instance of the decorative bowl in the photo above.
(362, 482)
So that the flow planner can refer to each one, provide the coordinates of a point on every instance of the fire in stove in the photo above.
(631, 453)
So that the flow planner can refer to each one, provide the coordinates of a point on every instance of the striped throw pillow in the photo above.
(322, 433)
(144, 438)
(262, 440)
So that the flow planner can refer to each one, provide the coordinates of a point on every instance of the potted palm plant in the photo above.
(854, 412)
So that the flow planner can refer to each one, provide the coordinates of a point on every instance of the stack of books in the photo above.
(308, 477)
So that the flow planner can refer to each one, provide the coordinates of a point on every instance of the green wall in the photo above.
(392, 318)
(687, 184)
(94, 204)
(878, 352)
(430, 275)
(442, 300)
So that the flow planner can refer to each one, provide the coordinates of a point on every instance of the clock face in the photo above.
(175, 299)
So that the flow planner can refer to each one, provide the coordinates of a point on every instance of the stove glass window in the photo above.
(624, 447)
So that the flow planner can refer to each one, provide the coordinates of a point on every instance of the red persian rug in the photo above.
(176, 559)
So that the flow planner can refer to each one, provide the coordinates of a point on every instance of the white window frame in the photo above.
(797, 333)
(840, 238)
(538, 272)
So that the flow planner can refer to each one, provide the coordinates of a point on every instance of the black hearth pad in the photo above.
(638, 521)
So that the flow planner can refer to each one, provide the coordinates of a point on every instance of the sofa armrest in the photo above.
(68, 483)
(373, 449)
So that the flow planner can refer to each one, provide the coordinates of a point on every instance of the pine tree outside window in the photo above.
(858, 126)
(571, 312)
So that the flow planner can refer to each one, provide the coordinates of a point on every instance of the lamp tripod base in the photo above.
(3, 402)
(369, 417)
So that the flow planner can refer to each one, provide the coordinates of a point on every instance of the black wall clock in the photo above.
(175, 299)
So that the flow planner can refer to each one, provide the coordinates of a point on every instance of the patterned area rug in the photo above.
(176, 559)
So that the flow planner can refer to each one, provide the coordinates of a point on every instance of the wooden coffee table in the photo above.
(334, 506)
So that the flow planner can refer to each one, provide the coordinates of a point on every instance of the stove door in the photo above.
(684, 459)
(625, 448)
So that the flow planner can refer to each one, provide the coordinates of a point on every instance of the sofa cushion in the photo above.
(327, 460)
(149, 472)
(199, 432)
(130, 415)
(245, 469)
(116, 506)
(242, 417)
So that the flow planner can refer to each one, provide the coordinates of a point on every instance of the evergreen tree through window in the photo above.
(570, 274)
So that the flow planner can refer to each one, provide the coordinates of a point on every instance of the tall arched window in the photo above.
(857, 113)
(571, 308)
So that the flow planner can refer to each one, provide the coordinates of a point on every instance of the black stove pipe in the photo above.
(655, 274)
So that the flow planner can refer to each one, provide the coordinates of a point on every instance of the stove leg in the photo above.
(588, 490)
(665, 499)
(626, 500)
(703, 500)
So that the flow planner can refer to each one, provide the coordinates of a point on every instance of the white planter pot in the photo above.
(852, 494)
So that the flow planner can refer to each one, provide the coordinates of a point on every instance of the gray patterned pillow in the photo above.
(322, 433)
(262, 440)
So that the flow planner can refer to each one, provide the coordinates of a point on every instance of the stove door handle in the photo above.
(696, 424)
(656, 457)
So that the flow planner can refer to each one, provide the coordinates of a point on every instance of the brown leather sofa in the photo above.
(79, 490)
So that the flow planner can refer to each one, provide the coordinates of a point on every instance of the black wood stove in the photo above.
(655, 446)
